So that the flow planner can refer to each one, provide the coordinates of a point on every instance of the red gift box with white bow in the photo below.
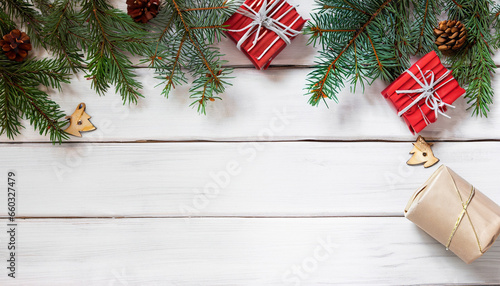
(423, 92)
(263, 28)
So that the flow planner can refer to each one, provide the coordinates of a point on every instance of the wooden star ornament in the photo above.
(422, 154)
(79, 122)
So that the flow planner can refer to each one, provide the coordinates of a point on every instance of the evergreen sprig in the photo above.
(28, 15)
(402, 33)
(21, 97)
(425, 20)
(363, 40)
(473, 66)
(359, 40)
(113, 33)
(93, 37)
(184, 32)
(65, 32)
(495, 19)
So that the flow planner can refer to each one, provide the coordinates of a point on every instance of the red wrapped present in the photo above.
(423, 92)
(263, 28)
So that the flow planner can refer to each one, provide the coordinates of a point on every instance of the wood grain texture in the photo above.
(232, 179)
(327, 251)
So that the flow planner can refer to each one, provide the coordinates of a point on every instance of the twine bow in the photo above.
(264, 18)
(428, 91)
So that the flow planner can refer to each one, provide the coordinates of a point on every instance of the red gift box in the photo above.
(263, 28)
(422, 92)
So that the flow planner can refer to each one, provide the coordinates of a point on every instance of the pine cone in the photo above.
(450, 36)
(143, 10)
(16, 45)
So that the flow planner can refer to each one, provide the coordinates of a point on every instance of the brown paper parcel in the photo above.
(456, 214)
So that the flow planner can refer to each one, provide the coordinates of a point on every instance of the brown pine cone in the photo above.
(16, 45)
(450, 36)
(143, 10)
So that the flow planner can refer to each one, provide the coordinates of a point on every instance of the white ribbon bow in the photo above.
(262, 18)
(428, 91)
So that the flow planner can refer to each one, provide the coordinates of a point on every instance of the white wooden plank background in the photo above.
(137, 202)
(235, 251)
(271, 179)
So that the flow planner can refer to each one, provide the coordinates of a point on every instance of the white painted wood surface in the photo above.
(263, 179)
(141, 201)
(235, 251)
(250, 106)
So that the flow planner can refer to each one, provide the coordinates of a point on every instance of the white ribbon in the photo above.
(428, 92)
(263, 18)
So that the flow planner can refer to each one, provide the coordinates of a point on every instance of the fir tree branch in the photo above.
(422, 36)
(161, 38)
(208, 27)
(223, 6)
(473, 66)
(375, 52)
(354, 8)
(195, 44)
(113, 33)
(184, 33)
(30, 18)
(327, 79)
(495, 19)
(9, 115)
(6, 24)
(175, 64)
(45, 6)
(21, 97)
(403, 45)
(62, 25)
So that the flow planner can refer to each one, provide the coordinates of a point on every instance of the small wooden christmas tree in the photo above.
(79, 121)
(422, 154)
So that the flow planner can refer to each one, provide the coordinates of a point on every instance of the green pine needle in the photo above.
(473, 66)
(184, 33)
(358, 39)
(113, 33)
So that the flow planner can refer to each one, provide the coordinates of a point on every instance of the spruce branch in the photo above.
(184, 33)
(92, 36)
(113, 33)
(64, 31)
(354, 31)
(495, 19)
(6, 24)
(9, 113)
(402, 35)
(46, 6)
(21, 97)
(29, 16)
(473, 66)
(422, 36)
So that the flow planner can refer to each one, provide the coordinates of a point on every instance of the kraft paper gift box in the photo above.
(456, 214)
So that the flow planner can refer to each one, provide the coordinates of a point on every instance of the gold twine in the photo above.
(461, 216)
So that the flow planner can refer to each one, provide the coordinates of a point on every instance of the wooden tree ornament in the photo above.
(422, 154)
(79, 121)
